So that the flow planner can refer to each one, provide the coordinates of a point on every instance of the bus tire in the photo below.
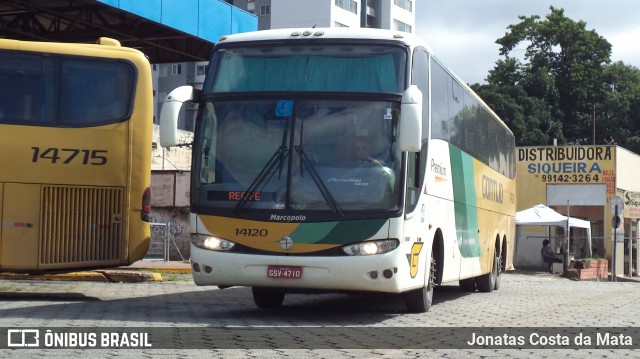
(267, 298)
(486, 283)
(496, 286)
(420, 300)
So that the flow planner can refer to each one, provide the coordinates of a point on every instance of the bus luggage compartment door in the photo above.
(20, 226)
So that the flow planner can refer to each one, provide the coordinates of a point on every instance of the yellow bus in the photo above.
(75, 151)
(344, 160)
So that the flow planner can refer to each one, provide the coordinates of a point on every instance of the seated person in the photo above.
(548, 256)
(363, 154)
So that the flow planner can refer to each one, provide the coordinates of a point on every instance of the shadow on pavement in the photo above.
(231, 306)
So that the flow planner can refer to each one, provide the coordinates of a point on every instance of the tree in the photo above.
(617, 117)
(557, 81)
(529, 117)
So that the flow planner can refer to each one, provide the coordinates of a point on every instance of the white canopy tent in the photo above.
(541, 215)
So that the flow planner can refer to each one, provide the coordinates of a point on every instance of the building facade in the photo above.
(582, 182)
(382, 14)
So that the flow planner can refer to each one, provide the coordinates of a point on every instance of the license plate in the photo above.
(290, 272)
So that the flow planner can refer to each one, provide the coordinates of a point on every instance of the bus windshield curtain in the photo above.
(307, 73)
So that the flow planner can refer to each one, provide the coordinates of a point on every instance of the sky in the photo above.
(463, 33)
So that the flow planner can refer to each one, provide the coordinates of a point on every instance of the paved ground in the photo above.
(149, 271)
(526, 299)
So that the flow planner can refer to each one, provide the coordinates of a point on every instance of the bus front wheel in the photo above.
(420, 300)
(267, 297)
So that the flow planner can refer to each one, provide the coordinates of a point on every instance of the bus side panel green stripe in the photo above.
(465, 206)
(338, 233)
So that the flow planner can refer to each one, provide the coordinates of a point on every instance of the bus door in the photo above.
(20, 224)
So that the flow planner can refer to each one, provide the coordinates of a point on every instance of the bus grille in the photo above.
(81, 225)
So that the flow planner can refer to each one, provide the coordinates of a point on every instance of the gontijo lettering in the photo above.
(492, 189)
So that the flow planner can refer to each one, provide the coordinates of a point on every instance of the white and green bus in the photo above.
(283, 198)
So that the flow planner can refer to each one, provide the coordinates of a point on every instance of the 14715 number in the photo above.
(68, 155)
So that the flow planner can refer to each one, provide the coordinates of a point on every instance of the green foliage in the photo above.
(560, 83)
(618, 115)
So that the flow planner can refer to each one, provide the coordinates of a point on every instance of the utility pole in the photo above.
(594, 125)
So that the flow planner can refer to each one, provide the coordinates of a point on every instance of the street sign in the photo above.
(615, 222)
(616, 207)
(617, 201)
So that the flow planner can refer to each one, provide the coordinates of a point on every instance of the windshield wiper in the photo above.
(267, 172)
(318, 181)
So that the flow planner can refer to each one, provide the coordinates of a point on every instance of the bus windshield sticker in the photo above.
(388, 116)
(284, 108)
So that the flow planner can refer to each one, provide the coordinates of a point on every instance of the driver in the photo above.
(363, 153)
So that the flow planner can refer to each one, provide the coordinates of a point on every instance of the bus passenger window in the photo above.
(23, 101)
(96, 92)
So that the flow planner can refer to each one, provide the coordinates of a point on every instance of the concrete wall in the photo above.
(627, 170)
(170, 228)
(528, 246)
(174, 158)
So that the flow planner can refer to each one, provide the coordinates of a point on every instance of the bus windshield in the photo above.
(298, 154)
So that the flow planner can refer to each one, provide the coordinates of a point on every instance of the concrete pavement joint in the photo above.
(92, 276)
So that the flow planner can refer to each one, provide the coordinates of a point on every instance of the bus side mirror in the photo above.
(410, 132)
(169, 115)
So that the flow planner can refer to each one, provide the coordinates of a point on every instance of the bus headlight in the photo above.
(370, 247)
(211, 243)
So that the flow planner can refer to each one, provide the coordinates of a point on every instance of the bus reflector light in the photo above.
(146, 205)
(196, 267)
(387, 273)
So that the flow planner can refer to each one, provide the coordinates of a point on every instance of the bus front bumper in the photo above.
(379, 273)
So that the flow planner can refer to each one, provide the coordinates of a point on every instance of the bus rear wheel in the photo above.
(420, 300)
(498, 273)
(487, 283)
(267, 297)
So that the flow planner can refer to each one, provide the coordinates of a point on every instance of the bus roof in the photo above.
(327, 33)
(103, 47)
